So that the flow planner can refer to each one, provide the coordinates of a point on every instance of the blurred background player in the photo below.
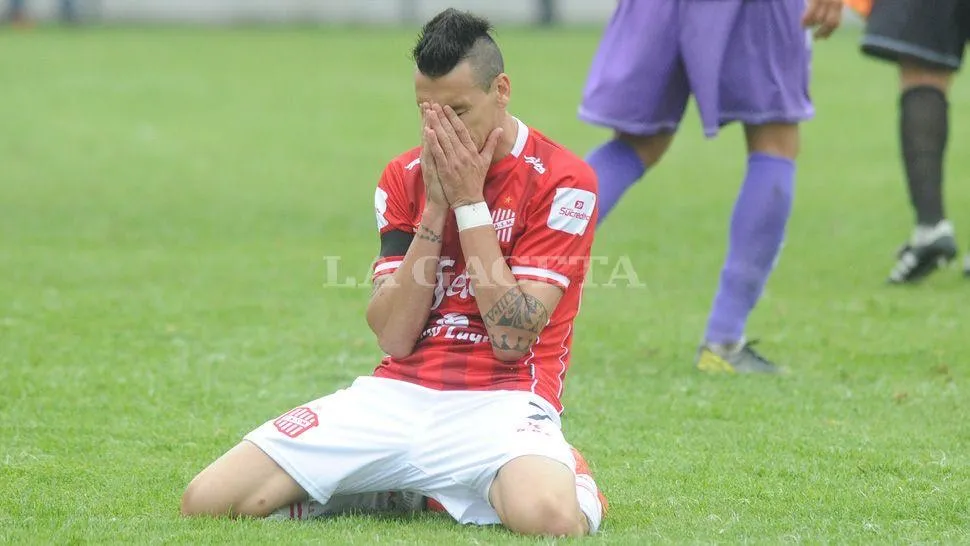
(925, 39)
(743, 61)
(465, 407)
(16, 12)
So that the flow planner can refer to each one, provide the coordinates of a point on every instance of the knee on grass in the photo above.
(535, 495)
(545, 514)
(200, 499)
(204, 498)
(243, 482)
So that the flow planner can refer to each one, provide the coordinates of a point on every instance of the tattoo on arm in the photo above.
(505, 343)
(428, 235)
(517, 309)
(378, 283)
(520, 311)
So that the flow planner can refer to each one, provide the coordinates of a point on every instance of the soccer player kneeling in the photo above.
(485, 231)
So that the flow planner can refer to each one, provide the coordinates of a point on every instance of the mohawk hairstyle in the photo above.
(454, 36)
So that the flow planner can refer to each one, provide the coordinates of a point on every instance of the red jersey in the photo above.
(543, 204)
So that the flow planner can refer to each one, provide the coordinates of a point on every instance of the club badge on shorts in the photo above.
(296, 421)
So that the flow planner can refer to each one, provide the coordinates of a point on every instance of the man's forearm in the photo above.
(401, 302)
(513, 318)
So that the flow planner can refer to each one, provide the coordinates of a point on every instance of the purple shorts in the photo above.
(743, 60)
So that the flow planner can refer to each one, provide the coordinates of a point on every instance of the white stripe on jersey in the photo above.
(541, 273)
(388, 265)
(562, 362)
(532, 367)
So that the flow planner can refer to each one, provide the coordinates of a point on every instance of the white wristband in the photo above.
(473, 216)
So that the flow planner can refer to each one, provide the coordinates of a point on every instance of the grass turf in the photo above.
(175, 204)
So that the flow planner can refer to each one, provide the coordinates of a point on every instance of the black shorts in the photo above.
(932, 31)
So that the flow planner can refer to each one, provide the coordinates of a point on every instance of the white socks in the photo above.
(924, 235)
(589, 502)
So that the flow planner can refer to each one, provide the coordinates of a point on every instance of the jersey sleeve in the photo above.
(555, 246)
(394, 223)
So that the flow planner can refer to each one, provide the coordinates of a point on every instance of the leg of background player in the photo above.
(636, 85)
(620, 162)
(757, 53)
(757, 232)
(923, 135)
(923, 132)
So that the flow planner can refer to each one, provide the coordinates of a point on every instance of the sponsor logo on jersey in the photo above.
(453, 319)
(446, 285)
(571, 210)
(454, 326)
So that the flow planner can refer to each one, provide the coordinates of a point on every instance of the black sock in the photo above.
(923, 131)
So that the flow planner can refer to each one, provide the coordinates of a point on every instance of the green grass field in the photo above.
(168, 201)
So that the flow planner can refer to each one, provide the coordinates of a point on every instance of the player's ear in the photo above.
(503, 89)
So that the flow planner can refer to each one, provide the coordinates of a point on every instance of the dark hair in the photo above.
(454, 36)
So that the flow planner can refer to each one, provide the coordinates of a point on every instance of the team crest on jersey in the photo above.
(503, 220)
(296, 421)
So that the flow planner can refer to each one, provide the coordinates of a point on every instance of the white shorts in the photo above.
(387, 435)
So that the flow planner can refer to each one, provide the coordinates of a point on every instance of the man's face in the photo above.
(481, 111)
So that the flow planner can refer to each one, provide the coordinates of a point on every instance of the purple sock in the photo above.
(757, 232)
(617, 167)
